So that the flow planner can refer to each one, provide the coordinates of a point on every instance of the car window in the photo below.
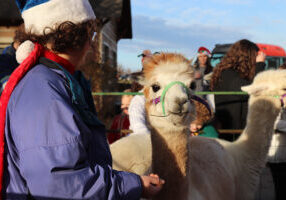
(272, 62)
(216, 58)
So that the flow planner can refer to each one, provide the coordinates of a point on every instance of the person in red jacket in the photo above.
(121, 121)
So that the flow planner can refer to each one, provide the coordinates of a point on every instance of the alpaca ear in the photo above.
(254, 89)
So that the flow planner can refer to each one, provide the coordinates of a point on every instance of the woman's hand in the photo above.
(260, 57)
(152, 185)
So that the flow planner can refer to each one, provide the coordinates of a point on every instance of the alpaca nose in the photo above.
(181, 102)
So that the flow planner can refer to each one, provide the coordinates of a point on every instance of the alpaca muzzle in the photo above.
(162, 97)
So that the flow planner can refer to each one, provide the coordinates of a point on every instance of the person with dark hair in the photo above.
(203, 68)
(238, 68)
(55, 147)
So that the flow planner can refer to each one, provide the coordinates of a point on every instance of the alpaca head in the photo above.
(270, 83)
(168, 79)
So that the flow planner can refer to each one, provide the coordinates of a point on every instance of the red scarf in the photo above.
(16, 76)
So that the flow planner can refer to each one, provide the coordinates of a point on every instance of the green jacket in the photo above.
(209, 131)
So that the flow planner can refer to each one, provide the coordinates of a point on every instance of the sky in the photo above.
(182, 26)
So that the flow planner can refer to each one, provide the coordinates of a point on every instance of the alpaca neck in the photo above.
(262, 114)
(170, 161)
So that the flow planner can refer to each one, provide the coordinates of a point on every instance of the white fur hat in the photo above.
(40, 14)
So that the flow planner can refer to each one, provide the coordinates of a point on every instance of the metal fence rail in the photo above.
(196, 93)
(220, 131)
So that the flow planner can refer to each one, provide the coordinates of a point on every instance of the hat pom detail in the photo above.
(24, 51)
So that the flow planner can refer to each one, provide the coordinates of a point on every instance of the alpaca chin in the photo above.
(180, 120)
(171, 121)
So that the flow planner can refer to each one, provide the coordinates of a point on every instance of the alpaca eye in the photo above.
(193, 85)
(155, 88)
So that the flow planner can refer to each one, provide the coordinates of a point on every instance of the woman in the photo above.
(202, 68)
(55, 148)
(237, 68)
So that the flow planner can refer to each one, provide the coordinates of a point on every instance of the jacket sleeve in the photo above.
(137, 115)
(59, 156)
(259, 67)
(63, 172)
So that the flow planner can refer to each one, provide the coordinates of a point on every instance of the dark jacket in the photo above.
(7, 61)
(231, 110)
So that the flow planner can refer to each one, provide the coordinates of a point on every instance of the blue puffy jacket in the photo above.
(51, 153)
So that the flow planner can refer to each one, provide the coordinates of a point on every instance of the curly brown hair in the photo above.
(241, 57)
(67, 36)
(203, 115)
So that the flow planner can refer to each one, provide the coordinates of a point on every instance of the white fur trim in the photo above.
(24, 51)
(54, 12)
(204, 53)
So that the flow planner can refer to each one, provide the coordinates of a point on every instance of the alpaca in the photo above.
(132, 154)
(203, 168)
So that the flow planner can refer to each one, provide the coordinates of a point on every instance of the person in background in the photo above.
(237, 68)
(8, 62)
(55, 147)
(145, 54)
(276, 162)
(202, 126)
(203, 69)
(121, 121)
(137, 112)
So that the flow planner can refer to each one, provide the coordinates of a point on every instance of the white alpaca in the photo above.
(197, 167)
(132, 154)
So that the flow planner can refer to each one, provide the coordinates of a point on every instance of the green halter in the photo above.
(162, 98)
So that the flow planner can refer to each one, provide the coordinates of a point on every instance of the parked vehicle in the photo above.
(275, 55)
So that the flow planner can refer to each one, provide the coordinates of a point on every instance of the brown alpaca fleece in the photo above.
(155, 60)
(146, 94)
(170, 160)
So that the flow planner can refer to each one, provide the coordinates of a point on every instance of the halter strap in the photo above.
(202, 101)
(281, 99)
(162, 97)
